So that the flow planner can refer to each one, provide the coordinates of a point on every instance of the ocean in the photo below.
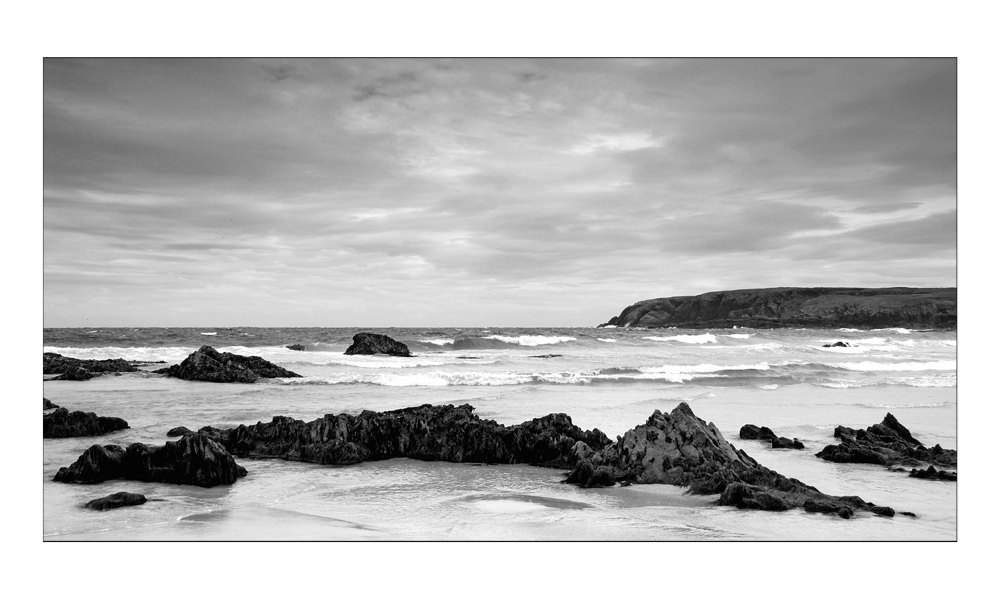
(608, 378)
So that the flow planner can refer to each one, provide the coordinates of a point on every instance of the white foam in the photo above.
(608, 340)
(531, 340)
(701, 368)
(898, 367)
(209, 333)
(847, 330)
(438, 341)
(899, 330)
(706, 338)
(739, 335)
(767, 387)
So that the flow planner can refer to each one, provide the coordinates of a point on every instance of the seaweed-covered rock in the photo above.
(63, 423)
(191, 460)
(446, 433)
(681, 449)
(73, 369)
(837, 344)
(753, 432)
(212, 366)
(887, 443)
(48, 405)
(374, 343)
(116, 500)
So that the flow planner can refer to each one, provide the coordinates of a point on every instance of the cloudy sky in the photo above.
(483, 192)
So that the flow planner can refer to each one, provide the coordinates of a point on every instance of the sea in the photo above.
(612, 379)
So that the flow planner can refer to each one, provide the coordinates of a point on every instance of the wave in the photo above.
(437, 341)
(898, 367)
(706, 338)
(607, 340)
(739, 335)
(531, 340)
(209, 333)
(903, 406)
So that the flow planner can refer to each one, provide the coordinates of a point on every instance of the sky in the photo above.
(492, 192)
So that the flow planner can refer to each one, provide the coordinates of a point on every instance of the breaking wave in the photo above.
(706, 338)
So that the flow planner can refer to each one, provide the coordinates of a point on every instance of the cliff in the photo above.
(798, 306)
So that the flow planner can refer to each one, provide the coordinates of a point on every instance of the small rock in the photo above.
(116, 500)
(374, 343)
(48, 405)
(179, 431)
(296, 347)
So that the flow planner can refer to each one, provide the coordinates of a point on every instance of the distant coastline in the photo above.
(778, 307)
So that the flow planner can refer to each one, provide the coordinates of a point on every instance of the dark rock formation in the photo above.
(296, 347)
(63, 423)
(48, 405)
(888, 443)
(934, 473)
(786, 443)
(373, 343)
(751, 431)
(116, 500)
(191, 460)
(447, 433)
(179, 431)
(837, 344)
(547, 356)
(798, 306)
(681, 449)
(72, 369)
(212, 366)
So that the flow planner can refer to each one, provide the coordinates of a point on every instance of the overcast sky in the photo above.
(484, 192)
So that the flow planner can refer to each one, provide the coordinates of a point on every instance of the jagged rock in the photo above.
(681, 449)
(786, 443)
(212, 366)
(73, 369)
(116, 500)
(837, 344)
(798, 306)
(296, 347)
(191, 460)
(933, 473)
(887, 443)
(374, 343)
(751, 431)
(179, 431)
(445, 433)
(63, 423)
(48, 405)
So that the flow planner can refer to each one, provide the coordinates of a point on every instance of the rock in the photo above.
(933, 473)
(887, 443)
(73, 369)
(48, 405)
(179, 431)
(209, 365)
(116, 500)
(798, 306)
(547, 356)
(96, 464)
(910, 514)
(837, 344)
(63, 423)
(445, 433)
(191, 460)
(373, 343)
(467, 357)
(750, 431)
(786, 443)
(296, 347)
(681, 449)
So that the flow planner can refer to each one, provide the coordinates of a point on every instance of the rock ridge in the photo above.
(207, 364)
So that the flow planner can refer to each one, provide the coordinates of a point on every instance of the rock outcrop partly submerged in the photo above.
(887, 443)
(374, 343)
(762, 433)
(63, 423)
(207, 364)
(681, 449)
(48, 405)
(446, 433)
(798, 306)
(191, 460)
(677, 448)
(74, 369)
(115, 501)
